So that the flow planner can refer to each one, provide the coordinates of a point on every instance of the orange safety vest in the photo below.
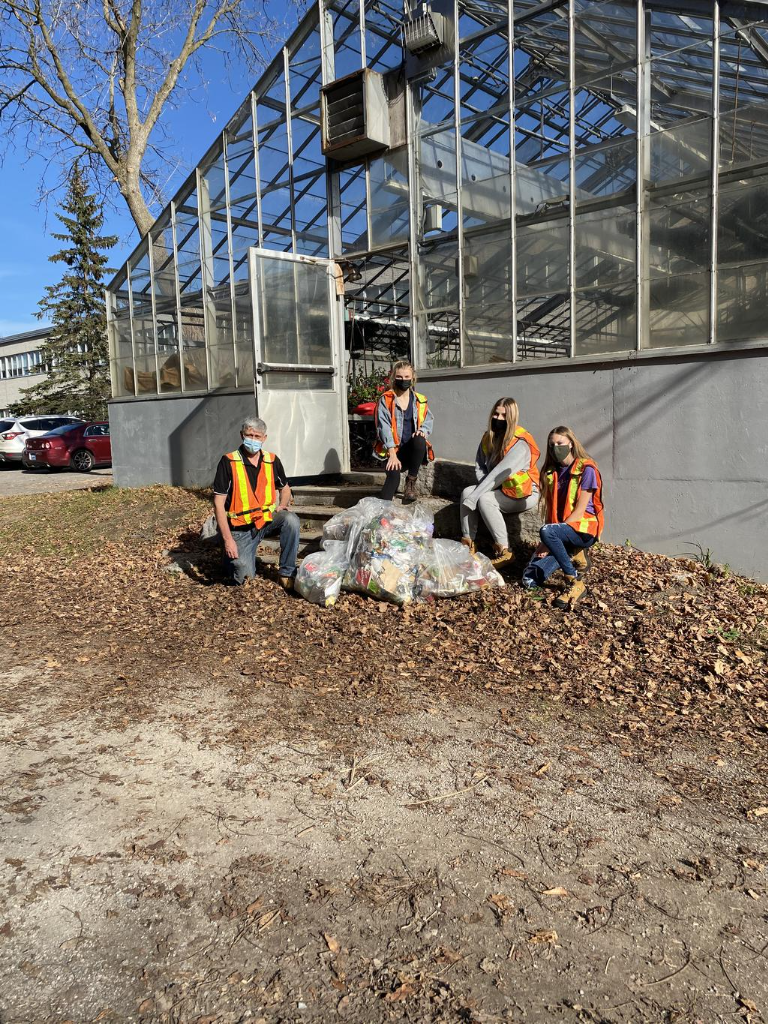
(591, 523)
(249, 508)
(421, 414)
(519, 485)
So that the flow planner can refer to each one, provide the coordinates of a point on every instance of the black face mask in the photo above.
(401, 384)
(499, 426)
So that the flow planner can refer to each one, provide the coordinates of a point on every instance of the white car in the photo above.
(14, 433)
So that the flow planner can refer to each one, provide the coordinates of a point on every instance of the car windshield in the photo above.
(65, 428)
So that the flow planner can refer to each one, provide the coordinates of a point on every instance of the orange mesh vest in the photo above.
(589, 523)
(519, 485)
(421, 414)
(249, 507)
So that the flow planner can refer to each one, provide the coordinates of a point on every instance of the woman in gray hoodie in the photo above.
(507, 479)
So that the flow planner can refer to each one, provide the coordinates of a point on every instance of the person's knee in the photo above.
(290, 523)
(546, 531)
(466, 492)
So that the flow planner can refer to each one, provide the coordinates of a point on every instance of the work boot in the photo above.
(409, 491)
(582, 560)
(567, 600)
(469, 543)
(501, 556)
(286, 582)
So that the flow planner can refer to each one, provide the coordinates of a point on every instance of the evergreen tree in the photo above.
(76, 353)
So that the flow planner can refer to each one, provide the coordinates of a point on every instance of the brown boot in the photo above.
(581, 560)
(409, 491)
(286, 582)
(469, 543)
(501, 556)
(575, 589)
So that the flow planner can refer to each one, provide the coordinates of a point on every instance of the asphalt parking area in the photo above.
(15, 480)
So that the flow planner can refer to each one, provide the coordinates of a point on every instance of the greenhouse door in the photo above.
(299, 361)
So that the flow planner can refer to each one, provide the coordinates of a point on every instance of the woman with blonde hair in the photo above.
(507, 479)
(403, 425)
(572, 508)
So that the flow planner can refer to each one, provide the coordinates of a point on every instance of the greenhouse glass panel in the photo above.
(742, 250)
(488, 306)
(389, 201)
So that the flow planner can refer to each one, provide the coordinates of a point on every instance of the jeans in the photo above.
(411, 455)
(286, 524)
(493, 506)
(562, 541)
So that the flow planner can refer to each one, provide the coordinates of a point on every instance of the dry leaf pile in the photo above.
(663, 645)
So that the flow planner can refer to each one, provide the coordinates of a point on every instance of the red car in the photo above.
(78, 446)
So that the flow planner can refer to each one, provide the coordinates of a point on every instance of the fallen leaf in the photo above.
(754, 895)
(543, 769)
(544, 937)
(514, 873)
(757, 812)
(557, 891)
(332, 943)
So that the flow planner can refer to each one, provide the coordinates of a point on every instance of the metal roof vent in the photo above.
(424, 30)
(355, 115)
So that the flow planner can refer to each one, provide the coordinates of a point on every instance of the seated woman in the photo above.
(572, 506)
(507, 479)
(403, 425)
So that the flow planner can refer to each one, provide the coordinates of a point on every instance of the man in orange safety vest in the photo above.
(250, 501)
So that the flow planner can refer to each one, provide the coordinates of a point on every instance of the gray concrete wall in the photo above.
(168, 440)
(682, 443)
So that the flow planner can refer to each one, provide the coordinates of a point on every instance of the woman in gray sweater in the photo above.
(507, 479)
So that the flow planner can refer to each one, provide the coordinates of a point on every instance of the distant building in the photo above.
(19, 359)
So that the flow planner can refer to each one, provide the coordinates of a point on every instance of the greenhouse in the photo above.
(524, 191)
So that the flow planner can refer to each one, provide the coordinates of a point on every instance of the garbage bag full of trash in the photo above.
(320, 575)
(452, 569)
(347, 524)
(389, 553)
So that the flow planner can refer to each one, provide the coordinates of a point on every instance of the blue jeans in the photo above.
(562, 541)
(286, 525)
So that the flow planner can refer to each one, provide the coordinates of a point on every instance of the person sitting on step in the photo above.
(572, 507)
(403, 425)
(507, 479)
(250, 501)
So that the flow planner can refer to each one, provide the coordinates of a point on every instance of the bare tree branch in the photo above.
(95, 76)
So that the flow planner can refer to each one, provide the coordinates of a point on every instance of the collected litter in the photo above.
(388, 552)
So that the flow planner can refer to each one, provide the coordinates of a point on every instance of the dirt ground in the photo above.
(261, 811)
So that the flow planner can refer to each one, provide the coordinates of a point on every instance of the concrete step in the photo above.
(340, 495)
(365, 476)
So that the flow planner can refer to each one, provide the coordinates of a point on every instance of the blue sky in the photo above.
(26, 223)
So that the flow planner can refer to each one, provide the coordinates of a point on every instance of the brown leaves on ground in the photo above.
(663, 645)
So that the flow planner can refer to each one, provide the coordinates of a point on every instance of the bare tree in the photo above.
(94, 77)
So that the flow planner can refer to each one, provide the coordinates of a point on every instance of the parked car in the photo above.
(79, 446)
(15, 436)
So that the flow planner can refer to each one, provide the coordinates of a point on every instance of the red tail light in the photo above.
(10, 436)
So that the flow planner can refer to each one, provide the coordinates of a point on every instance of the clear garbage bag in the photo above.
(452, 569)
(389, 552)
(320, 575)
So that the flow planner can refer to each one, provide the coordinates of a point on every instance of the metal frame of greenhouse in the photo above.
(631, 223)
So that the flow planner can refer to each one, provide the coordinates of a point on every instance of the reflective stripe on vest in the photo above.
(379, 450)
(590, 523)
(249, 508)
(519, 485)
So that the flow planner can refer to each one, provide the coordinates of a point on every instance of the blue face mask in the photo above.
(252, 445)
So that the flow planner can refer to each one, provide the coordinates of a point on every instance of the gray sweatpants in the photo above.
(492, 506)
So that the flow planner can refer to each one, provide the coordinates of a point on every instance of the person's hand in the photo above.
(393, 462)
(420, 433)
(230, 548)
(541, 551)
